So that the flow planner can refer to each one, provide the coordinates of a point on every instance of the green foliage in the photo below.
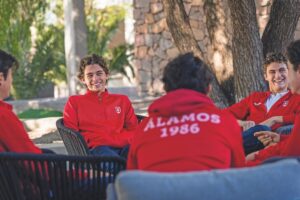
(102, 26)
(41, 55)
(39, 47)
(39, 113)
(120, 58)
(17, 17)
(46, 65)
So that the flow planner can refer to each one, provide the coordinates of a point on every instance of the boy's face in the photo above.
(294, 79)
(94, 78)
(5, 84)
(276, 75)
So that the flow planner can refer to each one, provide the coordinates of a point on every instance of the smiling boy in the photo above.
(106, 121)
(266, 111)
(289, 146)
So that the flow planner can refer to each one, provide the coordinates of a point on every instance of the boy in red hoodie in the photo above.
(13, 136)
(106, 121)
(185, 131)
(290, 145)
(271, 110)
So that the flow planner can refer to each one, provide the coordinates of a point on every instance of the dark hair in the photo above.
(90, 60)
(274, 57)
(7, 61)
(293, 54)
(187, 71)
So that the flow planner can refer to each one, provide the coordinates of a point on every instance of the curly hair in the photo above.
(274, 57)
(293, 54)
(90, 60)
(7, 61)
(187, 71)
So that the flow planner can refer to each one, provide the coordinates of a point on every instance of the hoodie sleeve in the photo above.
(13, 136)
(70, 115)
(291, 146)
(241, 109)
(237, 150)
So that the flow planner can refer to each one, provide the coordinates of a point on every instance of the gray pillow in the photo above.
(280, 180)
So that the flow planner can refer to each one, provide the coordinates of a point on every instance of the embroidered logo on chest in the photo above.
(118, 109)
(285, 103)
(257, 103)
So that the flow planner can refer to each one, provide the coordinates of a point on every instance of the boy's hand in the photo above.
(267, 137)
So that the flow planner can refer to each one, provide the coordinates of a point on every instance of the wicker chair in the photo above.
(74, 141)
(140, 117)
(56, 177)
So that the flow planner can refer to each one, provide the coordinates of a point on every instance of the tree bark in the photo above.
(185, 41)
(218, 23)
(75, 40)
(247, 50)
(281, 27)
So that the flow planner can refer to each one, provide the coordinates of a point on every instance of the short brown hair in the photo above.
(90, 60)
(293, 53)
(7, 61)
(187, 71)
(274, 57)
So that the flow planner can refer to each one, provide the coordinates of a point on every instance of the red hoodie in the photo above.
(186, 132)
(105, 120)
(253, 108)
(287, 147)
(13, 136)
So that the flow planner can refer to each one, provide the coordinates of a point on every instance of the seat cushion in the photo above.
(280, 180)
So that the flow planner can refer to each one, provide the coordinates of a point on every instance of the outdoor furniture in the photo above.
(74, 141)
(140, 117)
(56, 177)
(278, 180)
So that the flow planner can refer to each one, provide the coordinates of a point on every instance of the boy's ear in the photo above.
(298, 70)
(1, 76)
(209, 88)
(82, 81)
(265, 76)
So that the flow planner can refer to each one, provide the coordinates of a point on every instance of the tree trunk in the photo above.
(246, 48)
(185, 41)
(219, 28)
(281, 27)
(75, 40)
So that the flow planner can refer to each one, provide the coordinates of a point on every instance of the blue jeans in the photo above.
(111, 151)
(285, 130)
(250, 142)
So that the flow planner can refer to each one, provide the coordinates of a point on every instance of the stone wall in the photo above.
(154, 46)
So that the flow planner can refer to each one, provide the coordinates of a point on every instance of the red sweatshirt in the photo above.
(253, 108)
(287, 147)
(13, 136)
(108, 120)
(186, 132)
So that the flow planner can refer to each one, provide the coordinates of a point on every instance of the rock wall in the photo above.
(154, 46)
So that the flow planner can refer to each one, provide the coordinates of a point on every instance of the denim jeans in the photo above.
(285, 130)
(111, 151)
(250, 142)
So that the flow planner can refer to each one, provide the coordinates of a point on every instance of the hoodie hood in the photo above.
(178, 102)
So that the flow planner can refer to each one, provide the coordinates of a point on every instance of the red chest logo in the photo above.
(257, 103)
(118, 109)
(285, 103)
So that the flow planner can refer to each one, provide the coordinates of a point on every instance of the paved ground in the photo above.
(58, 148)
